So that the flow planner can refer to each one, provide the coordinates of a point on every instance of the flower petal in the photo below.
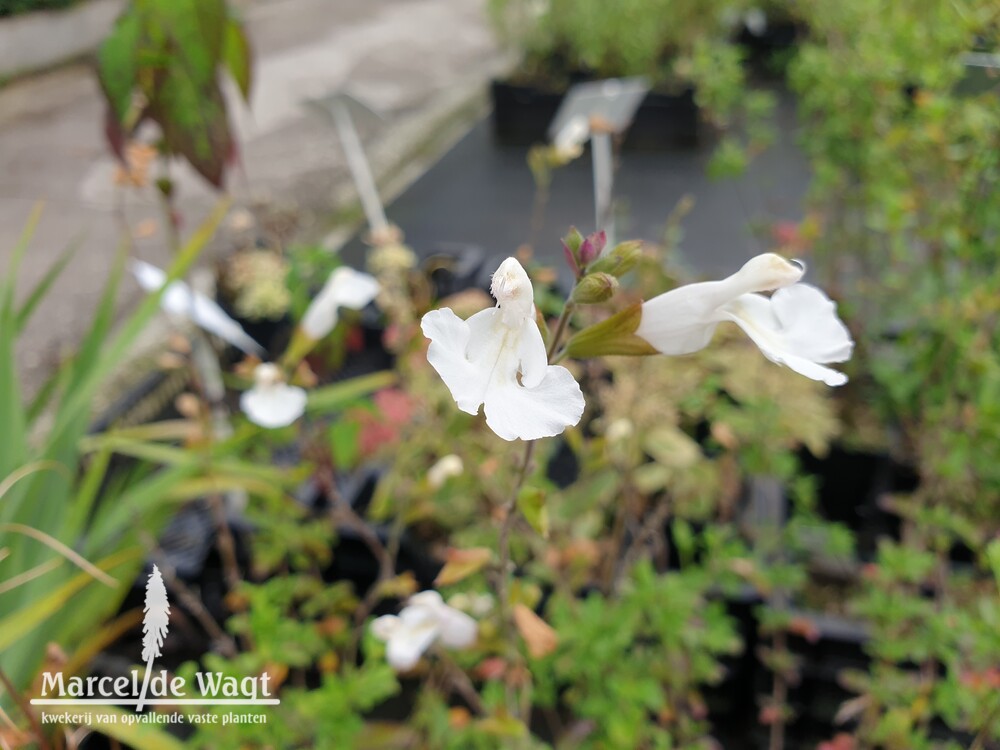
(810, 324)
(345, 287)
(276, 405)
(407, 645)
(353, 289)
(681, 321)
(458, 630)
(384, 627)
(515, 412)
(755, 314)
(210, 317)
(533, 360)
(179, 301)
(450, 342)
(418, 627)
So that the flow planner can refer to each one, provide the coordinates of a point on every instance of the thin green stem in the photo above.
(567, 312)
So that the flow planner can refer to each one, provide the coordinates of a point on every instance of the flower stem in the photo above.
(560, 329)
(509, 510)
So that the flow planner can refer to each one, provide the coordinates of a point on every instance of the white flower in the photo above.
(179, 301)
(425, 619)
(272, 402)
(797, 326)
(569, 141)
(497, 358)
(344, 288)
(443, 469)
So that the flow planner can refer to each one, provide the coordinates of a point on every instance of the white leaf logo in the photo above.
(155, 620)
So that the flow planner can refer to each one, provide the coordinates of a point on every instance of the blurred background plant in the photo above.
(904, 148)
(13, 7)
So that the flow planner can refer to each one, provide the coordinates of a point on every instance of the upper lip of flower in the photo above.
(497, 358)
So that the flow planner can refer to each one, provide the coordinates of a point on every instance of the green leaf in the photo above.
(993, 556)
(237, 56)
(117, 62)
(15, 626)
(192, 116)
(344, 443)
(36, 295)
(337, 396)
(531, 502)
(12, 414)
(616, 335)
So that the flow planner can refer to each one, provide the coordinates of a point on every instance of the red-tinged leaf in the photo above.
(115, 135)
(193, 120)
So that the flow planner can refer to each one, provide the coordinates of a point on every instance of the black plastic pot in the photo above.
(851, 486)
(768, 52)
(522, 114)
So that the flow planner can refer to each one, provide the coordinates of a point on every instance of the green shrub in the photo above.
(16, 7)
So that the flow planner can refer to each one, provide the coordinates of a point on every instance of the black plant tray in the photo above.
(522, 114)
(768, 53)
(851, 485)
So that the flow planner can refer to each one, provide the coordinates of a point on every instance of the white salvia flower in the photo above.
(272, 402)
(797, 326)
(457, 629)
(569, 141)
(179, 301)
(423, 620)
(443, 469)
(344, 288)
(497, 359)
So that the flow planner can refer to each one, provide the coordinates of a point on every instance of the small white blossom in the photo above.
(443, 469)
(272, 402)
(424, 620)
(568, 143)
(179, 301)
(797, 326)
(497, 359)
(344, 288)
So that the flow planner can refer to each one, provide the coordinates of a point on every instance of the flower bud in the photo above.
(594, 288)
(592, 247)
(571, 249)
(619, 261)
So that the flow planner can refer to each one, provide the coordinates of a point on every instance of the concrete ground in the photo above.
(418, 61)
